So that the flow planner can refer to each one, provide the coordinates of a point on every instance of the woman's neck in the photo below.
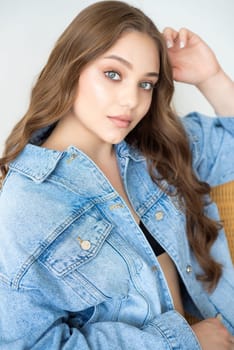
(66, 133)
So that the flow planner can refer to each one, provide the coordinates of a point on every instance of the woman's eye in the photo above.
(147, 85)
(112, 75)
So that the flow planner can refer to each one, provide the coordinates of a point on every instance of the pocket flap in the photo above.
(80, 242)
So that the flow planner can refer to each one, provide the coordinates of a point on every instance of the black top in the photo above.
(158, 250)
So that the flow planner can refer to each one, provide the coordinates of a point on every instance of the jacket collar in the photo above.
(38, 162)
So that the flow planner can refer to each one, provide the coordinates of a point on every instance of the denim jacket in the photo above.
(76, 272)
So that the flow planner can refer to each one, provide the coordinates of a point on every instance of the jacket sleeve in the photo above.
(30, 322)
(212, 145)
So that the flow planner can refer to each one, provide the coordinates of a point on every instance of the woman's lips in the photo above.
(121, 121)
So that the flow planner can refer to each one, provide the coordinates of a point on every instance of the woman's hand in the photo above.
(212, 334)
(193, 62)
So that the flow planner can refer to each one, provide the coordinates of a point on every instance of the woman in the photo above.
(107, 232)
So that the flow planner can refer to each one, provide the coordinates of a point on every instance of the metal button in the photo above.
(159, 215)
(189, 269)
(85, 245)
(116, 206)
(154, 268)
(72, 157)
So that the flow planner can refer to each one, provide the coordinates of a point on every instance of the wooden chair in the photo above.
(223, 195)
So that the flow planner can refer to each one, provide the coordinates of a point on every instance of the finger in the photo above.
(184, 36)
(170, 36)
(232, 343)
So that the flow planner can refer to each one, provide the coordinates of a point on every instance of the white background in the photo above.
(29, 29)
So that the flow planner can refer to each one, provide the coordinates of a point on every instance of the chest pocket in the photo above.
(85, 257)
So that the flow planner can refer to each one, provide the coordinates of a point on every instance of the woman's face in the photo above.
(115, 90)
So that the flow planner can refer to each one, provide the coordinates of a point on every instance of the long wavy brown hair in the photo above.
(160, 136)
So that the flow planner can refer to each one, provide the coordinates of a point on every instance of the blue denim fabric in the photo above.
(76, 272)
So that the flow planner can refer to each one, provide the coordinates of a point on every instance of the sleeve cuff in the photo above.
(172, 326)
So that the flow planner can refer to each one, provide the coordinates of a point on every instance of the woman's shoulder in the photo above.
(35, 162)
(212, 143)
(32, 211)
(24, 192)
(198, 123)
(31, 207)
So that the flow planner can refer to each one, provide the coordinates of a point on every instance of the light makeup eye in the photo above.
(112, 75)
(146, 85)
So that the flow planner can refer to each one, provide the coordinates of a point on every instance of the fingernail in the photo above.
(182, 45)
(169, 44)
(219, 317)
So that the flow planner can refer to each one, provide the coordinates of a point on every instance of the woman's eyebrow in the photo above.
(129, 65)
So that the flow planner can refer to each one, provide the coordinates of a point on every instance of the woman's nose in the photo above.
(129, 97)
